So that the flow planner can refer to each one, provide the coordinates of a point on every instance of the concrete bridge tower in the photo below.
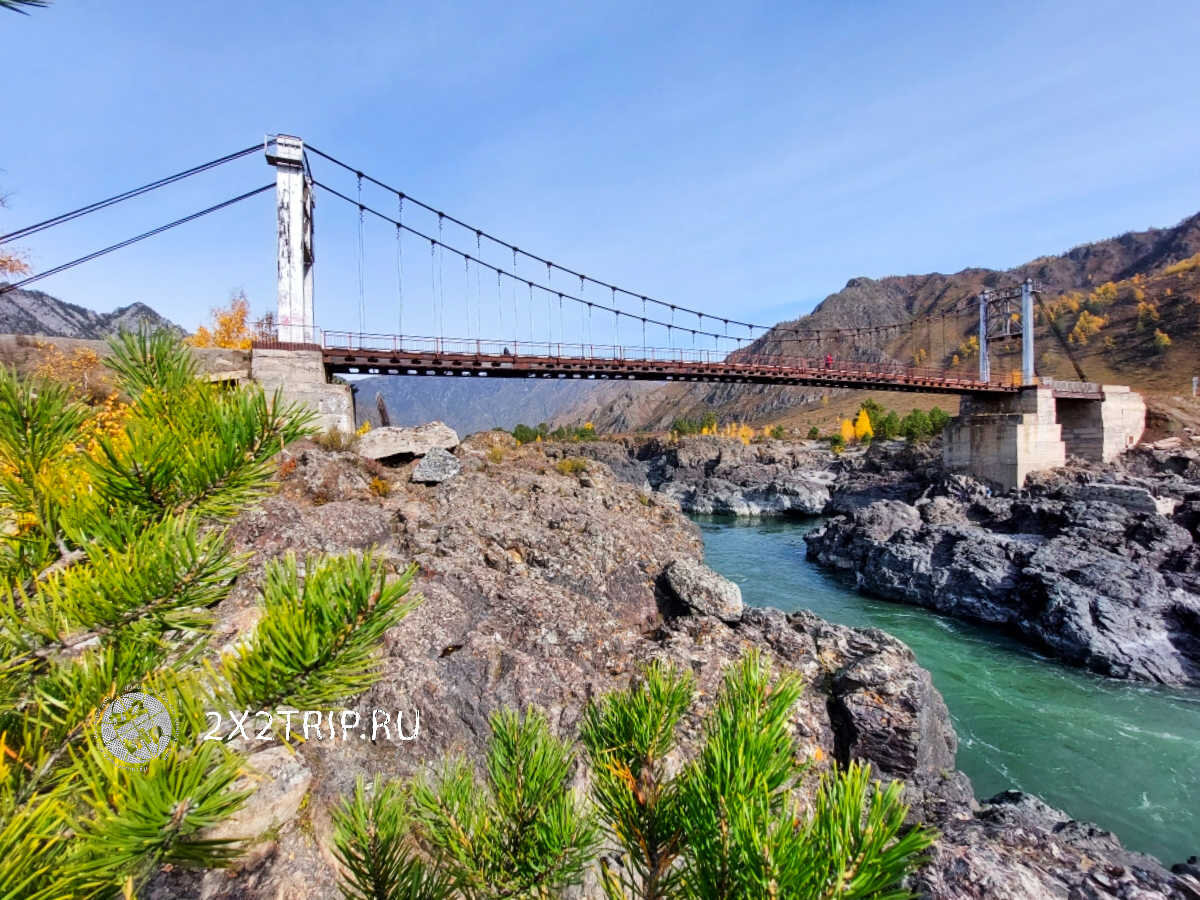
(294, 205)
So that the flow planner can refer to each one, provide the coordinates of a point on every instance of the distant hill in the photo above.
(1138, 284)
(468, 404)
(35, 312)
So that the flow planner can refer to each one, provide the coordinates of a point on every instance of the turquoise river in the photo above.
(1122, 755)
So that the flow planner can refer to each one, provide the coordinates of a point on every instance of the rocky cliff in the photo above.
(547, 588)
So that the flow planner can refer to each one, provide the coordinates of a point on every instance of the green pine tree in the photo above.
(113, 552)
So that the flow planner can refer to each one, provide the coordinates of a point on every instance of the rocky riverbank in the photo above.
(1098, 566)
(721, 476)
(548, 585)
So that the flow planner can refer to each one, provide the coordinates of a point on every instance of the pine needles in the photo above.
(112, 553)
(315, 643)
(730, 825)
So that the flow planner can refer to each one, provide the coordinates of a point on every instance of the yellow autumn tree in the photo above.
(230, 326)
(862, 426)
(847, 431)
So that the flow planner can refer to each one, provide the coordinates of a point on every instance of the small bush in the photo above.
(524, 434)
(495, 453)
(814, 433)
(938, 420)
(1161, 340)
(381, 487)
(916, 425)
(847, 431)
(336, 440)
(862, 424)
(571, 465)
(778, 432)
(889, 427)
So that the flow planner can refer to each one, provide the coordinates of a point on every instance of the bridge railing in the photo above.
(516, 350)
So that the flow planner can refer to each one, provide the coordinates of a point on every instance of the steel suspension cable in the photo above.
(4, 289)
(400, 265)
(668, 326)
(362, 293)
(800, 335)
(127, 195)
(516, 249)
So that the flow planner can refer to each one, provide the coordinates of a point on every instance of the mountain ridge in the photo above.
(39, 313)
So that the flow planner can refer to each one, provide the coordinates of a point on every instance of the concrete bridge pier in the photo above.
(1003, 438)
(301, 375)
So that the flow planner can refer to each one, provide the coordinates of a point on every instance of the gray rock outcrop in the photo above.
(396, 443)
(1098, 568)
(722, 476)
(703, 590)
(436, 466)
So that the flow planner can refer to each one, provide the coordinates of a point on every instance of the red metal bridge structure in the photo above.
(350, 353)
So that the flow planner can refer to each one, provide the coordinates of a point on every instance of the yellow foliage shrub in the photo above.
(572, 465)
(80, 370)
(1184, 265)
(1085, 326)
(862, 426)
(230, 327)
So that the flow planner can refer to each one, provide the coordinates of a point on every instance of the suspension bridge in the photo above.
(490, 288)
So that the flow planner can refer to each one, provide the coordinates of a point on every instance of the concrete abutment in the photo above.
(1004, 438)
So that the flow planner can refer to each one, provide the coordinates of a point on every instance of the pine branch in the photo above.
(369, 841)
(627, 735)
(315, 642)
(521, 834)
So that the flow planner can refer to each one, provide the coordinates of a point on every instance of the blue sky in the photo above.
(745, 159)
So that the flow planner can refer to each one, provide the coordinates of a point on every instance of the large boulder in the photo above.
(703, 590)
(404, 443)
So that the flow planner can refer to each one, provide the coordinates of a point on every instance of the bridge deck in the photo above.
(370, 355)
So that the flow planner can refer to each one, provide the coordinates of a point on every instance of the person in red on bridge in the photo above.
(829, 360)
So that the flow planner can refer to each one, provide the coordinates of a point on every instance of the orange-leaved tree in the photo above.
(230, 326)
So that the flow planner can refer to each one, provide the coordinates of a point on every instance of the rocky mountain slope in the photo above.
(1155, 284)
(548, 588)
(468, 404)
(38, 313)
